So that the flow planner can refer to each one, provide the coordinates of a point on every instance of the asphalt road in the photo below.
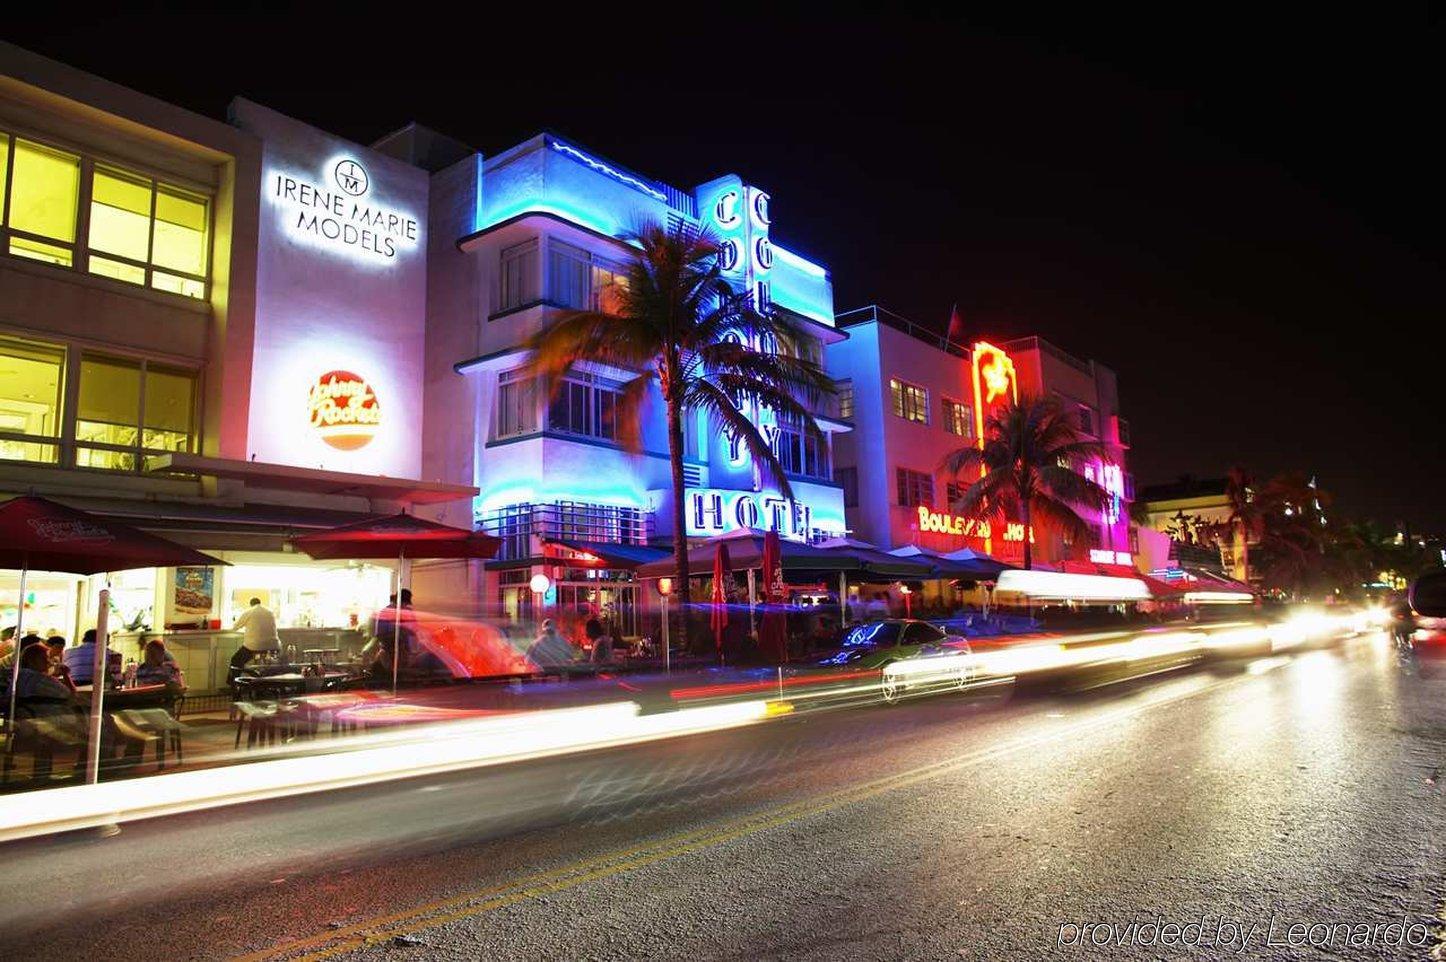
(1292, 790)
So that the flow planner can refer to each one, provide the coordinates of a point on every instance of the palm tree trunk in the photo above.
(1028, 554)
(680, 540)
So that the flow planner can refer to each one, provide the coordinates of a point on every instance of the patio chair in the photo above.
(256, 720)
(164, 729)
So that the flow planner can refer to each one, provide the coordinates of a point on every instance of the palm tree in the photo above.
(1030, 447)
(674, 321)
(1244, 515)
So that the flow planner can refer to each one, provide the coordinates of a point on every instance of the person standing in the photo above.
(259, 626)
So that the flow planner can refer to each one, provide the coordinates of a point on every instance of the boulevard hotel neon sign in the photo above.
(939, 522)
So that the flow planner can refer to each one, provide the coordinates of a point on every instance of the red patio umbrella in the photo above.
(41, 534)
(772, 632)
(399, 536)
(718, 617)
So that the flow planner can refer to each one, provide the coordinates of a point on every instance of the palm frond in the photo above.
(618, 341)
(962, 461)
(627, 415)
(1049, 512)
(715, 402)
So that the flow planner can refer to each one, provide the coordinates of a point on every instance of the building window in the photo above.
(802, 452)
(140, 224)
(691, 447)
(583, 281)
(911, 402)
(845, 394)
(953, 491)
(127, 409)
(32, 380)
(848, 479)
(516, 404)
(1127, 487)
(915, 488)
(958, 418)
(585, 405)
(1087, 420)
(803, 347)
(43, 195)
(139, 230)
(519, 276)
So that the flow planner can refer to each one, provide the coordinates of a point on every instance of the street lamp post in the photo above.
(665, 588)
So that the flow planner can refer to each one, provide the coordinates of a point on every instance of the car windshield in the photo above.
(878, 634)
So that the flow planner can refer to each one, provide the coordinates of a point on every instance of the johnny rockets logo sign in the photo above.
(343, 410)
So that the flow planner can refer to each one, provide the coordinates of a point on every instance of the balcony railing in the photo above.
(898, 322)
(522, 527)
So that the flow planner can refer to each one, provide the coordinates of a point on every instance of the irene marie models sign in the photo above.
(336, 211)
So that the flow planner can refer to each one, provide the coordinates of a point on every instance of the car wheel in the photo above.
(891, 686)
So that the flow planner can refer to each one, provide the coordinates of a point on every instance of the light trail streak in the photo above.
(385, 756)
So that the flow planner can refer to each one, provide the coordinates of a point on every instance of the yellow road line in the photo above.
(480, 901)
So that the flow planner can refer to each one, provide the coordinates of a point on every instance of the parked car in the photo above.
(909, 655)
(1418, 624)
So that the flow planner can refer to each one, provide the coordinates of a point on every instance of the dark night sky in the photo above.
(1229, 208)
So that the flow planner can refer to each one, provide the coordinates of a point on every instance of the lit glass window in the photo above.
(959, 418)
(110, 429)
(580, 279)
(31, 384)
(169, 410)
(180, 231)
(120, 216)
(138, 231)
(121, 223)
(109, 413)
(911, 402)
(44, 191)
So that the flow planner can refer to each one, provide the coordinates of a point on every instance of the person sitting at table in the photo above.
(259, 625)
(34, 683)
(602, 646)
(160, 669)
(55, 648)
(80, 660)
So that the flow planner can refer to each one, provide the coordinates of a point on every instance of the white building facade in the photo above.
(539, 230)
